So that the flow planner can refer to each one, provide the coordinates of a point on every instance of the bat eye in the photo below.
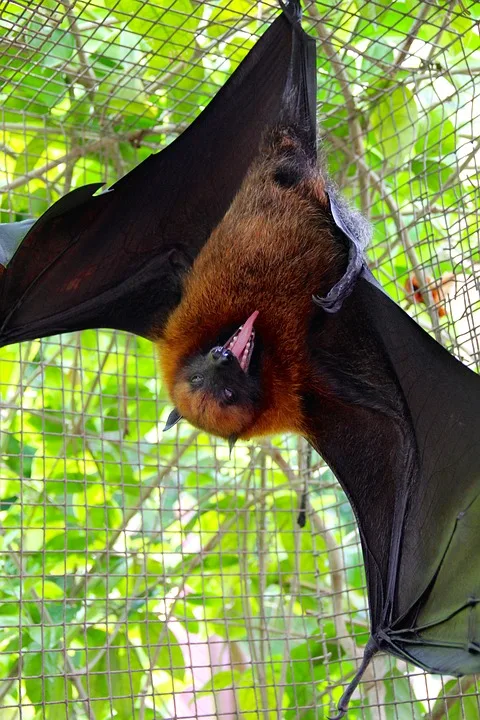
(229, 395)
(196, 380)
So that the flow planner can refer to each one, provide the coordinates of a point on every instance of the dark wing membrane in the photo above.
(436, 585)
(299, 106)
(397, 418)
(13, 234)
(116, 259)
(358, 422)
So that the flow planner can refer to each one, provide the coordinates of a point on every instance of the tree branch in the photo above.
(80, 589)
(455, 177)
(404, 49)
(456, 694)
(75, 152)
(335, 561)
(354, 127)
(86, 75)
(47, 621)
(403, 236)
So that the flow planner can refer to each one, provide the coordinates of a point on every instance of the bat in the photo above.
(235, 254)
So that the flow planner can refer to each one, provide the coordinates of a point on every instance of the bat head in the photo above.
(216, 390)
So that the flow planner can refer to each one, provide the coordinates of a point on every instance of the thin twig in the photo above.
(354, 127)
(93, 387)
(256, 652)
(337, 570)
(86, 74)
(294, 590)
(7, 150)
(262, 560)
(445, 703)
(15, 675)
(455, 177)
(403, 236)
(75, 152)
(82, 585)
(47, 621)
(70, 165)
(128, 136)
(404, 49)
(177, 70)
(435, 41)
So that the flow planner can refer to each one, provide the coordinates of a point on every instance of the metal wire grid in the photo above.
(152, 577)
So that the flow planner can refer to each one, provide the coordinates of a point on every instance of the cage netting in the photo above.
(148, 576)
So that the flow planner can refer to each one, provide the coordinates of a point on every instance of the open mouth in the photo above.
(242, 342)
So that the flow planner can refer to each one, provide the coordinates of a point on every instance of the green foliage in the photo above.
(132, 576)
(393, 123)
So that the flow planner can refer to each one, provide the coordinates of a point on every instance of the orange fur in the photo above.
(439, 290)
(272, 251)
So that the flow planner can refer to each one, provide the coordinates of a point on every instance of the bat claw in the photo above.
(342, 707)
(339, 715)
(172, 419)
(231, 443)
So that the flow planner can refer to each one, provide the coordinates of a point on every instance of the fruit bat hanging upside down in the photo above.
(234, 254)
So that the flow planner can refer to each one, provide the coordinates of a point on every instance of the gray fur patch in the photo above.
(358, 231)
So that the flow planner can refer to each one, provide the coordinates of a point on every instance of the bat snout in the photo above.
(220, 356)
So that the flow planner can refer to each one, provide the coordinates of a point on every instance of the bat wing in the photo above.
(398, 420)
(435, 580)
(117, 259)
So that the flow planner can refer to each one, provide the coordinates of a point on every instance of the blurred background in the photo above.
(147, 576)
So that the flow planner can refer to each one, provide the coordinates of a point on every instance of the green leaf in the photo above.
(9, 370)
(125, 676)
(225, 15)
(99, 691)
(30, 157)
(161, 641)
(377, 59)
(436, 134)
(400, 699)
(19, 456)
(6, 503)
(44, 681)
(434, 173)
(169, 28)
(56, 46)
(393, 123)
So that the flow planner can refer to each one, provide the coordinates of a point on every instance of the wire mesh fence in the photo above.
(151, 577)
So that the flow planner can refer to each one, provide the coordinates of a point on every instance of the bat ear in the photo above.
(231, 442)
(172, 419)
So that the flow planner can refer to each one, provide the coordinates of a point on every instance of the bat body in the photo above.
(271, 253)
(236, 256)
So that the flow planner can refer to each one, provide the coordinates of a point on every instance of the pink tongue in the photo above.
(240, 343)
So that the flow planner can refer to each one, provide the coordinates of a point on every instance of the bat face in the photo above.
(216, 390)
